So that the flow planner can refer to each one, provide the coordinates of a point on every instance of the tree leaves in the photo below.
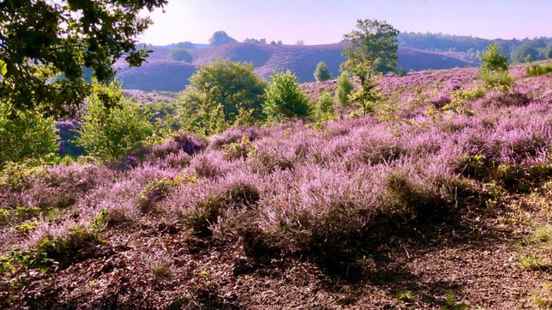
(3, 68)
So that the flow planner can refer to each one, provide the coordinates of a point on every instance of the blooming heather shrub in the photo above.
(235, 196)
(411, 199)
(267, 157)
(238, 150)
(209, 165)
(153, 193)
(235, 135)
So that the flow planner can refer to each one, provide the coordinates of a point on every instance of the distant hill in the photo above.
(164, 73)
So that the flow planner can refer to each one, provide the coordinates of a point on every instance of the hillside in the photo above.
(431, 203)
(165, 74)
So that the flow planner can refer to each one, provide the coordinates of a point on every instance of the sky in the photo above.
(325, 21)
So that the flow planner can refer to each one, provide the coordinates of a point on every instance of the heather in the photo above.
(433, 160)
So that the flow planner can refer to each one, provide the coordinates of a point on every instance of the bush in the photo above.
(25, 135)
(494, 69)
(325, 107)
(538, 70)
(154, 192)
(207, 212)
(344, 89)
(321, 73)
(219, 94)
(284, 98)
(78, 244)
(109, 133)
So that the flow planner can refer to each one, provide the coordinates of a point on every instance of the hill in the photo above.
(441, 199)
(165, 74)
(417, 52)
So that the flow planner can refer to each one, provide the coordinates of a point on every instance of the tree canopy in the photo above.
(45, 47)
(373, 42)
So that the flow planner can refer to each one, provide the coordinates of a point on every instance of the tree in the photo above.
(110, 133)
(526, 52)
(28, 135)
(221, 38)
(344, 89)
(228, 87)
(372, 50)
(494, 69)
(321, 73)
(284, 98)
(325, 107)
(373, 42)
(40, 40)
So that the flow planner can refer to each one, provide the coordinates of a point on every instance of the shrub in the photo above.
(25, 135)
(494, 69)
(219, 94)
(207, 212)
(321, 73)
(110, 133)
(344, 89)
(538, 70)
(324, 107)
(154, 192)
(77, 244)
(284, 99)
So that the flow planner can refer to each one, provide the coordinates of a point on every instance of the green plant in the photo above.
(110, 133)
(406, 296)
(50, 48)
(77, 244)
(344, 89)
(219, 94)
(538, 70)
(532, 262)
(451, 303)
(324, 107)
(542, 298)
(494, 70)
(321, 73)
(26, 227)
(284, 98)
(25, 135)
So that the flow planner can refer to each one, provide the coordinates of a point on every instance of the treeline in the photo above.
(517, 51)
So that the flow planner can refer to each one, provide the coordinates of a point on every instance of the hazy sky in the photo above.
(325, 21)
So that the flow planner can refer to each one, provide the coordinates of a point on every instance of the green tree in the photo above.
(372, 50)
(109, 133)
(284, 98)
(493, 60)
(344, 89)
(42, 39)
(321, 73)
(325, 107)
(373, 42)
(494, 69)
(25, 135)
(233, 89)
